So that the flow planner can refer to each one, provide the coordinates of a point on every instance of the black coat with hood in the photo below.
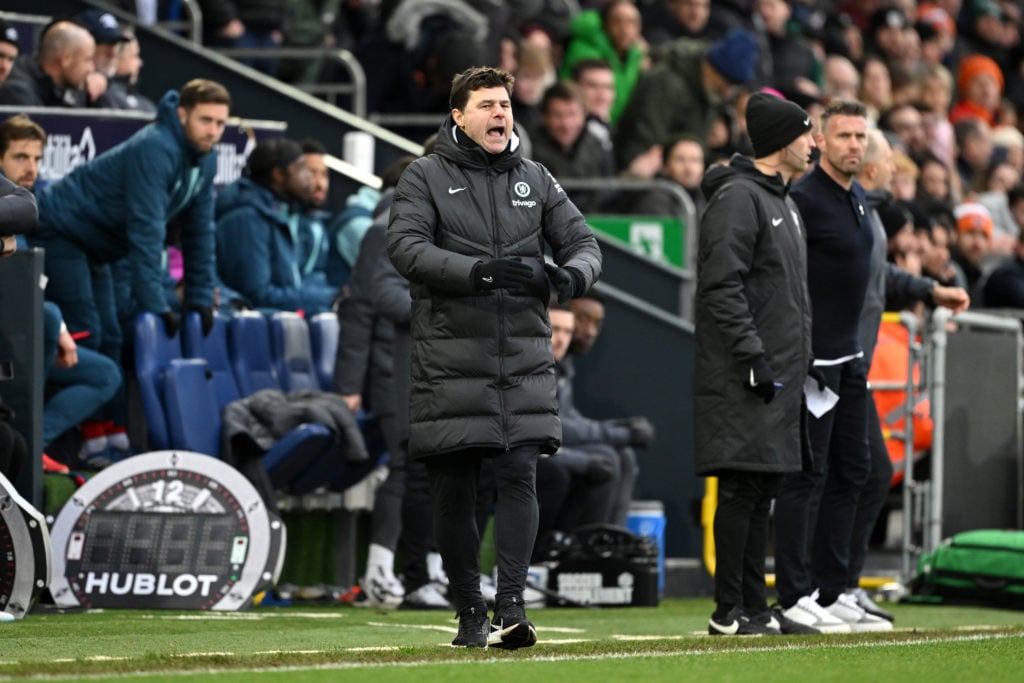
(752, 299)
(483, 374)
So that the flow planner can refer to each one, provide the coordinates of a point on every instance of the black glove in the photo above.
(171, 322)
(818, 376)
(206, 315)
(506, 273)
(759, 380)
(641, 431)
(567, 282)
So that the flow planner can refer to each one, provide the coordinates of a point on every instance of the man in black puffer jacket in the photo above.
(468, 228)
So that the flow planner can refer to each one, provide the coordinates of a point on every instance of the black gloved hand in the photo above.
(171, 322)
(759, 380)
(500, 273)
(641, 431)
(206, 315)
(818, 376)
(567, 282)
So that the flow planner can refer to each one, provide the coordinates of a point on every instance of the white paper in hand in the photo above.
(819, 401)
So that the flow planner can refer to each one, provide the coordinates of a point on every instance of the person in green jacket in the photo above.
(611, 34)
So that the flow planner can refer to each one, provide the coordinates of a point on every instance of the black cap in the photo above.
(103, 27)
(773, 123)
(9, 34)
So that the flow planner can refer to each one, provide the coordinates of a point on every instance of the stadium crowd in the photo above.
(645, 89)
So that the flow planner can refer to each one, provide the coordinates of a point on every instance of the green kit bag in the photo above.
(986, 565)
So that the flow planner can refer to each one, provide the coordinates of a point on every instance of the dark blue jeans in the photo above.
(83, 389)
(815, 511)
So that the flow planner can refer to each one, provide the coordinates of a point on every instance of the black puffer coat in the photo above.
(751, 300)
(482, 370)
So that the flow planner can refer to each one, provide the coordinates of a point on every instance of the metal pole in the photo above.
(939, 341)
(909, 321)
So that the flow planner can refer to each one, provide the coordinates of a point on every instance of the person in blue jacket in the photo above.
(258, 245)
(117, 206)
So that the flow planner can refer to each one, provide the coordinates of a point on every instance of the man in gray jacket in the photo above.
(753, 334)
(468, 228)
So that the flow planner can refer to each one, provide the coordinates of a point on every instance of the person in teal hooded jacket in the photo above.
(259, 247)
(117, 206)
(611, 34)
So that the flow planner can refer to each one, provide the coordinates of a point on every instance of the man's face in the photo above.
(106, 58)
(20, 162)
(8, 53)
(908, 124)
(884, 167)
(562, 324)
(78, 61)
(973, 244)
(693, 14)
(589, 319)
(487, 118)
(204, 124)
(564, 120)
(775, 14)
(934, 251)
(297, 180)
(842, 144)
(598, 89)
(935, 180)
(983, 90)
(319, 180)
(798, 159)
(685, 164)
(623, 26)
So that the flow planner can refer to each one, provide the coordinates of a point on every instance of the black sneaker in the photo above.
(510, 628)
(473, 628)
(736, 623)
(786, 626)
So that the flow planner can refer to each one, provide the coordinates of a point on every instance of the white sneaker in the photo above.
(426, 597)
(847, 609)
(808, 612)
(868, 605)
(435, 569)
(382, 588)
(6, 617)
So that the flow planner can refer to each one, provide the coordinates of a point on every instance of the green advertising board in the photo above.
(658, 237)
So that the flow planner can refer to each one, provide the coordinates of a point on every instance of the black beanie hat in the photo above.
(773, 123)
(894, 216)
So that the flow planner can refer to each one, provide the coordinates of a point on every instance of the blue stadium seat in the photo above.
(193, 416)
(213, 348)
(249, 350)
(323, 340)
(291, 352)
(154, 351)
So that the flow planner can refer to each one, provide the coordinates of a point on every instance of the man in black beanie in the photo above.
(753, 330)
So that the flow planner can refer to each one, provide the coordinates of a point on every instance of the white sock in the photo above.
(379, 556)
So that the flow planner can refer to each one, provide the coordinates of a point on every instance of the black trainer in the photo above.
(473, 628)
(790, 627)
(510, 628)
(737, 623)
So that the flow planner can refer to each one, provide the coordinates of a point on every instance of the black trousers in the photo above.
(741, 537)
(454, 480)
(417, 538)
(872, 498)
(814, 512)
(387, 505)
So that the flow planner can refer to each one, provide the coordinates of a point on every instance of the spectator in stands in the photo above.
(875, 87)
(972, 244)
(259, 250)
(79, 380)
(842, 80)
(596, 83)
(117, 206)
(610, 442)
(122, 91)
(565, 146)
(974, 143)
(245, 24)
(888, 35)
(936, 87)
(753, 337)
(611, 34)
(535, 73)
(904, 177)
(906, 122)
(665, 21)
(979, 83)
(55, 77)
(1009, 144)
(794, 66)
(933, 242)
(1002, 177)
(1004, 288)
(813, 539)
(345, 234)
(934, 181)
(467, 290)
(9, 49)
(696, 79)
(313, 245)
(110, 39)
(683, 165)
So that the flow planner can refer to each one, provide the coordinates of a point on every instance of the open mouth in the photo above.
(496, 132)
